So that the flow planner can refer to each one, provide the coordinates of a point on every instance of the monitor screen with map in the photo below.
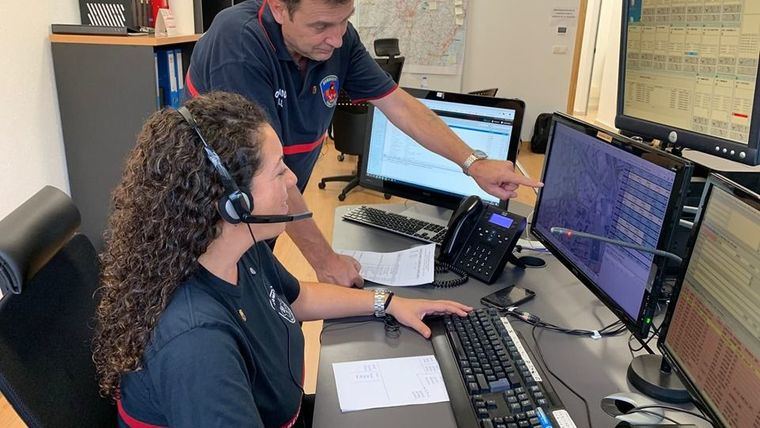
(611, 186)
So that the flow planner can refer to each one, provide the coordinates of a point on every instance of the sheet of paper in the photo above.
(391, 382)
(414, 266)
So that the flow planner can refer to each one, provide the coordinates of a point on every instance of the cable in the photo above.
(279, 285)
(614, 329)
(654, 333)
(548, 369)
(441, 267)
(653, 414)
(674, 409)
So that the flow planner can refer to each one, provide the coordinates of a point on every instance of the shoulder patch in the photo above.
(330, 88)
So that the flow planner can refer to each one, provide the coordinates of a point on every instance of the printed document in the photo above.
(414, 266)
(391, 382)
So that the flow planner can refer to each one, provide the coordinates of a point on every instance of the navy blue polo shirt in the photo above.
(244, 52)
(200, 369)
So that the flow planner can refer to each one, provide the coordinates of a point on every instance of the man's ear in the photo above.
(279, 10)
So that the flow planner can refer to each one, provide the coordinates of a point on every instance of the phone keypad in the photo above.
(481, 259)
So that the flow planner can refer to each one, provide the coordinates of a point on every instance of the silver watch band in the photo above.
(381, 294)
(474, 156)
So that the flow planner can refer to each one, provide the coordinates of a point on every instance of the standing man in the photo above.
(292, 57)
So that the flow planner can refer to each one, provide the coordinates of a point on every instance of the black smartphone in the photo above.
(507, 297)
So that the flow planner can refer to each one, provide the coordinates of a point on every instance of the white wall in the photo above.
(609, 58)
(588, 48)
(509, 45)
(31, 142)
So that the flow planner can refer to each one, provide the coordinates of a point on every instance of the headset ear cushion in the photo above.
(227, 208)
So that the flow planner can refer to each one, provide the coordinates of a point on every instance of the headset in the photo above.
(236, 205)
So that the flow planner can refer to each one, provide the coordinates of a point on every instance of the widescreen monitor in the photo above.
(711, 334)
(395, 164)
(688, 75)
(611, 186)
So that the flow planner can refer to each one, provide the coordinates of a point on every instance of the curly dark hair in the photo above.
(164, 217)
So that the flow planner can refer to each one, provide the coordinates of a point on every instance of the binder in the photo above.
(159, 104)
(180, 75)
(163, 80)
(173, 86)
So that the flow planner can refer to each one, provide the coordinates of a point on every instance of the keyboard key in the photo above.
(499, 385)
(482, 383)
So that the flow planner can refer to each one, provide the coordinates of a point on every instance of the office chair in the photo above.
(490, 92)
(48, 276)
(349, 125)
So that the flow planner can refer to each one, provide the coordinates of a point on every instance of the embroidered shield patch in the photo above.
(330, 88)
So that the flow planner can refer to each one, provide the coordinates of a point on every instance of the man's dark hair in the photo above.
(292, 5)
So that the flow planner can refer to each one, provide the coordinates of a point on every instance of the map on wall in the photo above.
(431, 33)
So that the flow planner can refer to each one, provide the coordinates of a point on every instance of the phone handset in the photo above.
(460, 226)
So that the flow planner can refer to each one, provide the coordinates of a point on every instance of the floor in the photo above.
(323, 204)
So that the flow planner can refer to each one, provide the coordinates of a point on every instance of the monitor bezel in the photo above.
(646, 129)
(752, 199)
(433, 196)
(682, 168)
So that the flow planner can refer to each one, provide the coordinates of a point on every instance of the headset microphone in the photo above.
(285, 218)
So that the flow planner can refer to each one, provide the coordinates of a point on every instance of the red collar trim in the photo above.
(132, 422)
(261, 23)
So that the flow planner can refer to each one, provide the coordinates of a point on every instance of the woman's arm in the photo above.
(324, 301)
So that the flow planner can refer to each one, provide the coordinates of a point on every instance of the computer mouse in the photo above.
(619, 404)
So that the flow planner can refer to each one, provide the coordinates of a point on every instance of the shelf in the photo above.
(123, 40)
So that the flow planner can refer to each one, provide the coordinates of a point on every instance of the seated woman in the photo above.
(198, 323)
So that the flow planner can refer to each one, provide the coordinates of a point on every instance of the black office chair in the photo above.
(349, 125)
(490, 92)
(48, 276)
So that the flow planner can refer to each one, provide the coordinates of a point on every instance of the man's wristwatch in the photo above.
(381, 297)
(474, 156)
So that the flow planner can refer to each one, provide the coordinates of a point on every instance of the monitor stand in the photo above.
(652, 376)
(523, 262)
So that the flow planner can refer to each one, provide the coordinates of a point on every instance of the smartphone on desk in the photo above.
(507, 297)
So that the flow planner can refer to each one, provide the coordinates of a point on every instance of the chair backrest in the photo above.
(387, 52)
(349, 124)
(490, 92)
(387, 47)
(46, 322)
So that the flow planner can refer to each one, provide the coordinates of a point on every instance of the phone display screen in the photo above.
(500, 220)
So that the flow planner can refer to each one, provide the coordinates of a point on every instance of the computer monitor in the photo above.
(608, 185)
(711, 334)
(688, 75)
(395, 164)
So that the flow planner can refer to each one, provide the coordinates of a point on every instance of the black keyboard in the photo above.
(397, 223)
(490, 376)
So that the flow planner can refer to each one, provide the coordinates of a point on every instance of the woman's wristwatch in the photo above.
(382, 300)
